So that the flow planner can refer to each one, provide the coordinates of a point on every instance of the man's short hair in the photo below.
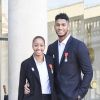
(62, 16)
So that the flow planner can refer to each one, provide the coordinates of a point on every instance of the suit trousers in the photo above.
(46, 96)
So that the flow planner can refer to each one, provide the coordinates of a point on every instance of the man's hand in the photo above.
(26, 88)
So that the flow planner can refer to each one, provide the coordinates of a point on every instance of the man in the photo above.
(71, 59)
(5, 93)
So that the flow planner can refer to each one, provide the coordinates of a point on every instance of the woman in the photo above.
(38, 72)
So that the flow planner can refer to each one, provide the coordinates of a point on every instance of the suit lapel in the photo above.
(33, 66)
(68, 44)
(56, 53)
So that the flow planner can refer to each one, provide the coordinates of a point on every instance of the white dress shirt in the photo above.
(44, 77)
(61, 46)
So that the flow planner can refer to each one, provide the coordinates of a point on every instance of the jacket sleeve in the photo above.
(86, 67)
(22, 81)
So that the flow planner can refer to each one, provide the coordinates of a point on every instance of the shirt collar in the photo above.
(44, 60)
(65, 40)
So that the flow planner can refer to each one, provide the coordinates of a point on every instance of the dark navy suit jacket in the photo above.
(29, 71)
(69, 82)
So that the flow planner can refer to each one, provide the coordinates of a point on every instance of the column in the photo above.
(4, 67)
(26, 18)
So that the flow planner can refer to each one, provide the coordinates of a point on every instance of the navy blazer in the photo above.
(30, 72)
(69, 82)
